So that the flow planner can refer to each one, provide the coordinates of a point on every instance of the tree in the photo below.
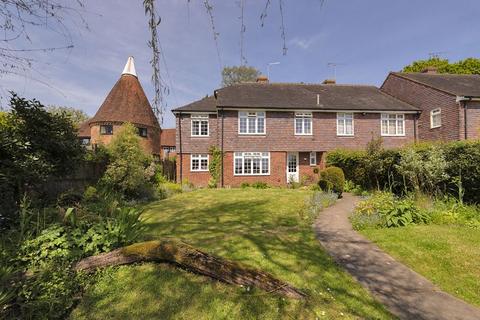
(238, 74)
(77, 116)
(128, 171)
(466, 66)
(34, 144)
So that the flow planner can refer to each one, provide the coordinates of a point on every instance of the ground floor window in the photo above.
(199, 162)
(251, 163)
(313, 158)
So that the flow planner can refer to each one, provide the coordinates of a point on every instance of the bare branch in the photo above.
(209, 8)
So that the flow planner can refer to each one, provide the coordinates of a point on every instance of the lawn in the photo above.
(267, 229)
(447, 255)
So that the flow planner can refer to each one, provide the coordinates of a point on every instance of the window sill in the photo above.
(304, 135)
(436, 127)
(250, 175)
(198, 170)
(393, 135)
(200, 136)
(252, 134)
(346, 135)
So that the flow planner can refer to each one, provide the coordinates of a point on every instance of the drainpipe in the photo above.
(180, 142)
(222, 148)
(415, 118)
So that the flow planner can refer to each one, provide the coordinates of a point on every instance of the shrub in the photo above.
(332, 179)
(245, 185)
(259, 185)
(90, 194)
(129, 171)
(169, 189)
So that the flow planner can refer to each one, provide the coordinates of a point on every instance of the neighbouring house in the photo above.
(450, 103)
(280, 132)
(126, 102)
(167, 143)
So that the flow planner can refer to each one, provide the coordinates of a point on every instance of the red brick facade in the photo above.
(278, 140)
(427, 99)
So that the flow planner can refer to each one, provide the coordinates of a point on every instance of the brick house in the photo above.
(450, 103)
(126, 102)
(167, 145)
(280, 132)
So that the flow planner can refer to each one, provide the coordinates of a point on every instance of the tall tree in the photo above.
(238, 74)
(466, 66)
(77, 116)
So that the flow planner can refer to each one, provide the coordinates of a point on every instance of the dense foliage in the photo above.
(130, 171)
(215, 166)
(332, 179)
(34, 145)
(436, 169)
(466, 66)
(238, 74)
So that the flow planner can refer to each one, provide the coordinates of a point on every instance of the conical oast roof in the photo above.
(127, 101)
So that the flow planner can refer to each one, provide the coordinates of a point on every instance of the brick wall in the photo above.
(196, 144)
(473, 120)
(151, 143)
(199, 179)
(427, 99)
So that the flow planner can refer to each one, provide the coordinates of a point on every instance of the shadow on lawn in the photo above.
(248, 232)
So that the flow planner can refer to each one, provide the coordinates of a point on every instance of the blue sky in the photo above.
(366, 38)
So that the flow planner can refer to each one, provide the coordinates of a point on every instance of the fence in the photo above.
(169, 169)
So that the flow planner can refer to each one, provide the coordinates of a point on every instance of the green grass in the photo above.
(447, 255)
(267, 229)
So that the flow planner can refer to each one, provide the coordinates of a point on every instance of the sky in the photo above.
(364, 38)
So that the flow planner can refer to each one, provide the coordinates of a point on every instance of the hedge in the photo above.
(381, 168)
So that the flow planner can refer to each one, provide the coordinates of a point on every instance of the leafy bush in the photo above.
(332, 179)
(259, 185)
(129, 172)
(245, 185)
(384, 210)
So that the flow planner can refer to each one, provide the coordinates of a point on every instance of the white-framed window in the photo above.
(251, 163)
(251, 122)
(199, 162)
(303, 123)
(393, 124)
(436, 118)
(313, 158)
(200, 125)
(345, 124)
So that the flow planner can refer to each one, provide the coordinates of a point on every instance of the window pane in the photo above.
(307, 125)
(261, 125)
(243, 125)
(256, 165)
(384, 126)
(195, 164)
(298, 126)
(195, 128)
(204, 128)
(400, 127)
(340, 126)
(251, 125)
(391, 126)
(248, 166)
(265, 165)
(204, 164)
(348, 126)
(238, 166)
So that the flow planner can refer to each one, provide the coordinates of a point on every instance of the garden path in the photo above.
(404, 292)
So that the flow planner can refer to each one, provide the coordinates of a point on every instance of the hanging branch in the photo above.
(157, 80)
(209, 8)
(18, 17)
(282, 28)
(263, 15)
(243, 60)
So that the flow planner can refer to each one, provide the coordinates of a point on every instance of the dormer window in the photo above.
(106, 129)
(251, 122)
(303, 123)
(200, 125)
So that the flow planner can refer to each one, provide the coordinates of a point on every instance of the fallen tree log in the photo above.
(194, 260)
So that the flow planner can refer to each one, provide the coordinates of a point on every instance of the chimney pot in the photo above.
(262, 79)
(329, 81)
(430, 70)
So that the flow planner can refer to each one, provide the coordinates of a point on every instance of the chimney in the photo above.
(329, 81)
(262, 79)
(430, 70)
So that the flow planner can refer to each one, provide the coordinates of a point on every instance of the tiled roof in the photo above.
(207, 104)
(456, 84)
(84, 130)
(167, 137)
(300, 96)
(126, 102)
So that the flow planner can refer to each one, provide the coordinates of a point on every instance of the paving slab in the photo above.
(404, 292)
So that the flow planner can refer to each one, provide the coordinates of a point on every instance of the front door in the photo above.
(292, 167)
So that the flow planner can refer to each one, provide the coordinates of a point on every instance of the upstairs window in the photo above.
(345, 124)
(106, 129)
(142, 132)
(303, 123)
(251, 163)
(200, 125)
(313, 158)
(251, 122)
(436, 118)
(393, 124)
(199, 162)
